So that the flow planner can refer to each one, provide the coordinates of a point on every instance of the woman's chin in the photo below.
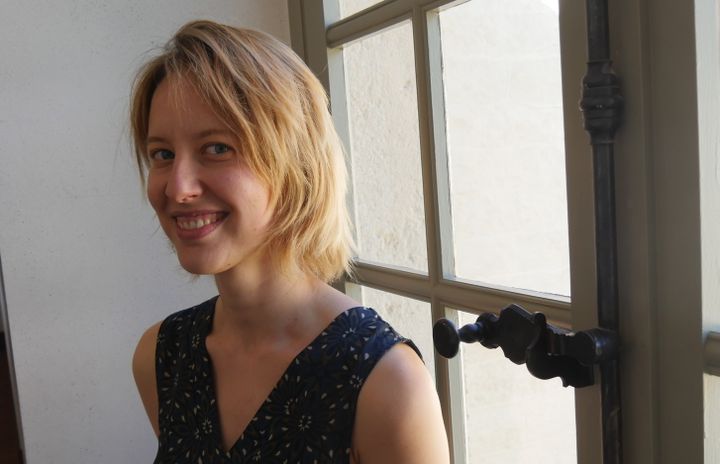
(198, 267)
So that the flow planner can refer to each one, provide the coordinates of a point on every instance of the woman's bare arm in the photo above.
(398, 414)
(144, 372)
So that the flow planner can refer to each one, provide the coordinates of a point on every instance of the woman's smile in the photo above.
(196, 225)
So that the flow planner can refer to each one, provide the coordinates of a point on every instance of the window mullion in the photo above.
(448, 374)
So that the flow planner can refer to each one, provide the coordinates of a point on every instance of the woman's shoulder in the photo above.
(143, 368)
(154, 338)
(145, 350)
(174, 324)
(403, 423)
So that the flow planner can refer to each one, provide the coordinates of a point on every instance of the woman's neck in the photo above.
(264, 307)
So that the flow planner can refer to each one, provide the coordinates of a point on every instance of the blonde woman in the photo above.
(245, 172)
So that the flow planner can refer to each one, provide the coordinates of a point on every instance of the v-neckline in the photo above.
(215, 410)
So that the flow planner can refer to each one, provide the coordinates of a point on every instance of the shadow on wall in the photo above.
(9, 441)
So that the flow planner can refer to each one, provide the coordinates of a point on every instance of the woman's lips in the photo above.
(195, 226)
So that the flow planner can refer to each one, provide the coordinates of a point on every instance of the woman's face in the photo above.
(212, 207)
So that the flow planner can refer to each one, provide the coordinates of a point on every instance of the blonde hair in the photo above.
(279, 111)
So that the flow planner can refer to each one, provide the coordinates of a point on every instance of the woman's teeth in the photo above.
(196, 222)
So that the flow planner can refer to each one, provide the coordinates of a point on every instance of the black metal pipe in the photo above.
(605, 236)
(607, 297)
(602, 105)
(596, 15)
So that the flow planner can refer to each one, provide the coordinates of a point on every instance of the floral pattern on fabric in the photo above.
(307, 418)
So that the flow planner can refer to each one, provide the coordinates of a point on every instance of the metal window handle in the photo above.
(528, 339)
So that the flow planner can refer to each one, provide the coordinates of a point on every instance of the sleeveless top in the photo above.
(307, 418)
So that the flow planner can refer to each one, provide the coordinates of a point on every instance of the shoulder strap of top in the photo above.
(178, 341)
(379, 342)
(188, 321)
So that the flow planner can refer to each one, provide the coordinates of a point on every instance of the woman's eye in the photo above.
(217, 149)
(162, 155)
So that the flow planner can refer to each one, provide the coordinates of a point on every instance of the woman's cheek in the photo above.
(155, 193)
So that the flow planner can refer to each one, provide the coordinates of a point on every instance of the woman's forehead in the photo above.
(178, 93)
(177, 105)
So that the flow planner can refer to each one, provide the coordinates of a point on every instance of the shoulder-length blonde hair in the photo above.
(279, 111)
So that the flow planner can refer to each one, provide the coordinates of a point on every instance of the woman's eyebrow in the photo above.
(208, 132)
(152, 139)
(197, 136)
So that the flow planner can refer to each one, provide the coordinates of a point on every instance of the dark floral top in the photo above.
(307, 418)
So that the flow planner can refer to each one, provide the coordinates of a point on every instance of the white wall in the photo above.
(86, 268)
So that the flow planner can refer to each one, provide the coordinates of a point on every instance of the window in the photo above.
(498, 229)
(658, 221)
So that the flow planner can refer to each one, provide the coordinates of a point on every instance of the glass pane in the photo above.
(708, 113)
(410, 318)
(350, 7)
(510, 416)
(385, 149)
(504, 122)
(712, 417)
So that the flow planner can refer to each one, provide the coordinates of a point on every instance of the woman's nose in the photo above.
(184, 183)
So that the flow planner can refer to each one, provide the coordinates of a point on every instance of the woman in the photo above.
(246, 175)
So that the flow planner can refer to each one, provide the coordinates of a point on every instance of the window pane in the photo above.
(712, 417)
(385, 149)
(350, 7)
(504, 123)
(410, 318)
(510, 415)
